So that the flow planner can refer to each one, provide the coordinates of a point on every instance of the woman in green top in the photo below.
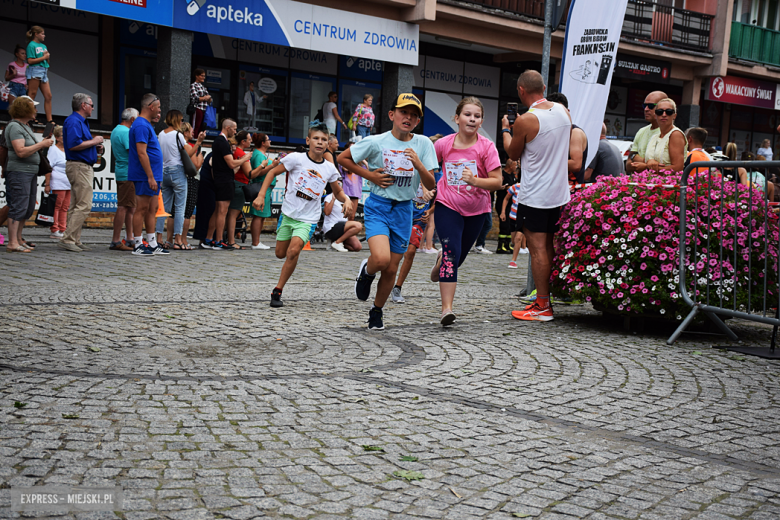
(38, 69)
(259, 159)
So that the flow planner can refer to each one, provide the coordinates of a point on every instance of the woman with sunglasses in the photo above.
(666, 150)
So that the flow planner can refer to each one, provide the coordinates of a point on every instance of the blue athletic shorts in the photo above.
(391, 218)
(142, 189)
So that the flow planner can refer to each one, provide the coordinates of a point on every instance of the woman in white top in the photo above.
(666, 150)
(59, 184)
(340, 231)
(766, 150)
(174, 184)
(330, 113)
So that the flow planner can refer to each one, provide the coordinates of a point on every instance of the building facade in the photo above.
(719, 59)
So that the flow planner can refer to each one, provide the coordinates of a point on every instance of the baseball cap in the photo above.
(31, 99)
(405, 100)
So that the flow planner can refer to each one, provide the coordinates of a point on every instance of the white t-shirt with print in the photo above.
(336, 214)
(170, 151)
(306, 181)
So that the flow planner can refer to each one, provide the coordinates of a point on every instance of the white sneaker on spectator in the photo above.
(481, 250)
(339, 247)
(260, 245)
(523, 251)
(57, 234)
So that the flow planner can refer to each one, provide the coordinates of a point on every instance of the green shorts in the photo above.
(289, 227)
(239, 199)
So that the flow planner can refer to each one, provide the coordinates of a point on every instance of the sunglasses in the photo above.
(649, 106)
(661, 111)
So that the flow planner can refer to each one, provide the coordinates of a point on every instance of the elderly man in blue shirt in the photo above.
(81, 151)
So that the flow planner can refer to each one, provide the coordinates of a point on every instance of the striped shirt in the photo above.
(513, 189)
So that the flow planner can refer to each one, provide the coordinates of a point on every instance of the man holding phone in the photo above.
(81, 154)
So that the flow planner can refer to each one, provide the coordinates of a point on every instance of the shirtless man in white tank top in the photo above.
(540, 139)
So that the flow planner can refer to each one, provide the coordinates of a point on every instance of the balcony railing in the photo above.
(753, 43)
(665, 25)
(645, 21)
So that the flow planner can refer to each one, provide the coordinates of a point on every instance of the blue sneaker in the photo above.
(143, 250)
(159, 250)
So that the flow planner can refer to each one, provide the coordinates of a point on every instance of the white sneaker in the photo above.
(396, 294)
(523, 251)
(339, 247)
(57, 235)
(260, 245)
(481, 250)
(432, 251)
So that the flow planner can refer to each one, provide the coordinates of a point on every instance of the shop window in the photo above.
(308, 93)
(269, 90)
(350, 96)
(137, 77)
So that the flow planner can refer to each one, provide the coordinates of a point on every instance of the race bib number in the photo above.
(455, 169)
(396, 163)
(418, 197)
(309, 184)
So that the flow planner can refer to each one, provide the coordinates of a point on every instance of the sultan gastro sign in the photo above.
(744, 91)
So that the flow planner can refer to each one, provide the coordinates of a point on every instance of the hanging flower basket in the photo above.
(618, 246)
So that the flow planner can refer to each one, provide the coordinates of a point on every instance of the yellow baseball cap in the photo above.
(405, 100)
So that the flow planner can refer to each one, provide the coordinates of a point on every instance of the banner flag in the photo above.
(589, 51)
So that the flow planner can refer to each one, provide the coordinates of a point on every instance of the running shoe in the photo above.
(481, 250)
(531, 298)
(396, 294)
(224, 246)
(448, 318)
(523, 251)
(159, 250)
(512, 265)
(206, 244)
(375, 319)
(276, 298)
(534, 313)
(143, 250)
(338, 247)
(363, 283)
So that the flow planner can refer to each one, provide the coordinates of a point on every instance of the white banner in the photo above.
(590, 48)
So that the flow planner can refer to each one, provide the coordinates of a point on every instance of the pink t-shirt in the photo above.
(451, 190)
(21, 73)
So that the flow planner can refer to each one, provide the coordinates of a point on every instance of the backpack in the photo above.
(319, 117)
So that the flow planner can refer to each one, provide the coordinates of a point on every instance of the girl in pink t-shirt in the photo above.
(16, 73)
(471, 169)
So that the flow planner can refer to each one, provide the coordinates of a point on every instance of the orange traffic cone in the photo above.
(307, 247)
(161, 207)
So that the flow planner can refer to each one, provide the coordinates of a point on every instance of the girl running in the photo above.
(471, 170)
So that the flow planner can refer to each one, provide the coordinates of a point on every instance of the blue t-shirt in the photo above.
(142, 131)
(385, 151)
(419, 206)
(75, 131)
(120, 143)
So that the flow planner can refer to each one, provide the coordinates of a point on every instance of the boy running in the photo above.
(399, 161)
(307, 175)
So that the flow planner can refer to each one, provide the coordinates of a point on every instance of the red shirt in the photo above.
(239, 175)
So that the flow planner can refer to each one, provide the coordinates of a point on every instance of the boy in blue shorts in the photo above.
(307, 175)
(399, 161)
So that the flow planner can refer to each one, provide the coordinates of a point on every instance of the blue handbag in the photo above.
(210, 117)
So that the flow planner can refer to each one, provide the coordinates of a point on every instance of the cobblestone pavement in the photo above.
(202, 402)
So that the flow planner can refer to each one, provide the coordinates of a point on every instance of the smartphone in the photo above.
(48, 129)
(511, 111)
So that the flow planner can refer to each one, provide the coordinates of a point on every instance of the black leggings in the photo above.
(457, 234)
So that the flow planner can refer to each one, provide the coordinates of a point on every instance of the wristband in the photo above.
(506, 130)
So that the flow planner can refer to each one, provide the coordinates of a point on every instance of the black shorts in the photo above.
(224, 190)
(539, 220)
(336, 231)
(516, 225)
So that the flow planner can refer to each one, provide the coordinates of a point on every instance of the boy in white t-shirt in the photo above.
(307, 175)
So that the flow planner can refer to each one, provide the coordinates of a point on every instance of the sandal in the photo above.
(18, 249)
(236, 246)
(168, 245)
(28, 245)
(182, 247)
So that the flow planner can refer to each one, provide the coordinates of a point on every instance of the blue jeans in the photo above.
(17, 89)
(363, 131)
(174, 192)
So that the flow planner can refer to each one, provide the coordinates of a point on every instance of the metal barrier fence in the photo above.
(728, 260)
